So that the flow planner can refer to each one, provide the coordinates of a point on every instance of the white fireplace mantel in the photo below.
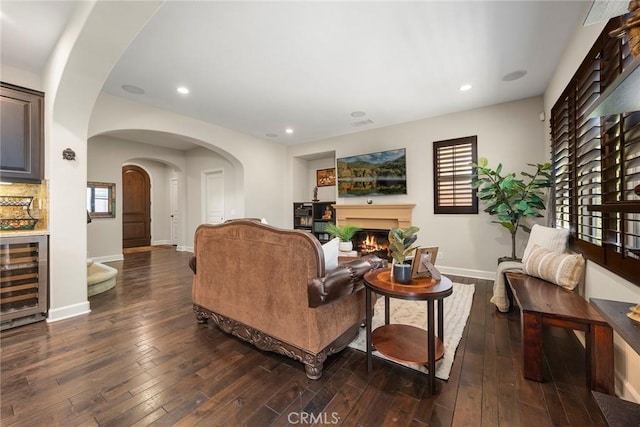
(375, 216)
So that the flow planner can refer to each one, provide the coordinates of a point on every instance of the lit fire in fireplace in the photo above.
(370, 244)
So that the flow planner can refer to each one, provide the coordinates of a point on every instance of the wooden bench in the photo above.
(543, 303)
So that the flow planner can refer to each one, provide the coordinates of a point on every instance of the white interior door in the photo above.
(175, 212)
(214, 197)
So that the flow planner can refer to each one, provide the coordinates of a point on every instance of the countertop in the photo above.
(23, 233)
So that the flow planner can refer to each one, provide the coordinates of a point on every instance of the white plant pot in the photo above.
(345, 246)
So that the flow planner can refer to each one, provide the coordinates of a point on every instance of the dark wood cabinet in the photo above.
(22, 134)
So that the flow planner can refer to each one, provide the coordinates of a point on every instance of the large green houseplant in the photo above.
(400, 245)
(511, 199)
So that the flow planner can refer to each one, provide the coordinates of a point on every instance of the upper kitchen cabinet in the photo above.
(22, 134)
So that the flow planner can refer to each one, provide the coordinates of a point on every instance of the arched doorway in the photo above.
(136, 207)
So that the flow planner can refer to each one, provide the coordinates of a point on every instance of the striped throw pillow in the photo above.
(564, 270)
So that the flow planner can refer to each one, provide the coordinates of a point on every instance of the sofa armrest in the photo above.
(341, 281)
(192, 263)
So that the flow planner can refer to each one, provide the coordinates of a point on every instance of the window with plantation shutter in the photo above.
(453, 175)
(587, 153)
(596, 163)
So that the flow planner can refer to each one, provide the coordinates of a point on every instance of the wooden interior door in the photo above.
(136, 207)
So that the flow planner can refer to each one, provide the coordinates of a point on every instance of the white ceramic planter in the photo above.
(345, 246)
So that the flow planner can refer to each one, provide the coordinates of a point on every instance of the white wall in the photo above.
(325, 194)
(20, 77)
(511, 133)
(599, 282)
(300, 190)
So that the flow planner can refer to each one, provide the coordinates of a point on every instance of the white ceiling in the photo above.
(260, 67)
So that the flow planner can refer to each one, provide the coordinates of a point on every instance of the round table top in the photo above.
(381, 282)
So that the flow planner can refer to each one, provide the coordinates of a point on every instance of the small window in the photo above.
(101, 199)
(453, 175)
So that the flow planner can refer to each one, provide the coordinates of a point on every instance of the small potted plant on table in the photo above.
(400, 241)
(343, 232)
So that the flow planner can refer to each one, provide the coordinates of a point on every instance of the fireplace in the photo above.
(372, 241)
(383, 217)
(375, 220)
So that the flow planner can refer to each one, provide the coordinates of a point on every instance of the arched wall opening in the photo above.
(108, 152)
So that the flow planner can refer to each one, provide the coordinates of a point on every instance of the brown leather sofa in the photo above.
(268, 286)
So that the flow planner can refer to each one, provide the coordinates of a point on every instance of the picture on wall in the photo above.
(326, 177)
(374, 174)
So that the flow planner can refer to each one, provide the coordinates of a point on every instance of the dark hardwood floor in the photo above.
(139, 358)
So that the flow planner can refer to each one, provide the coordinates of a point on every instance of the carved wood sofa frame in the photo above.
(260, 283)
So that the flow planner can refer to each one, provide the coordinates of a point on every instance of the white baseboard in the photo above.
(56, 314)
(160, 242)
(465, 272)
(629, 393)
(184, 249)
(108, 258)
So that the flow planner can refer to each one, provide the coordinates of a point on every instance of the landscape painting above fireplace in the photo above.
(373, 174)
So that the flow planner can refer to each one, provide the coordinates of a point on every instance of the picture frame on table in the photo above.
(418, 269)
(326, 177)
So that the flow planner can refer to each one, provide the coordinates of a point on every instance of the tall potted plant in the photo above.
(400, 245)
(512, 199)
(343, 232)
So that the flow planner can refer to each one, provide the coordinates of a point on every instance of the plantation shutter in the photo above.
(588, 155)
(562, 164)
(621, 170)
(596, 162)
(453, 175)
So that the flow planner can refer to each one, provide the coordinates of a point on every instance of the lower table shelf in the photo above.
(404, 343)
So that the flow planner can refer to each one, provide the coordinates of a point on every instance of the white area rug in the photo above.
(456, 312)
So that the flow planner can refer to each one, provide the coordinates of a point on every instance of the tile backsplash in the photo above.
(39, 208)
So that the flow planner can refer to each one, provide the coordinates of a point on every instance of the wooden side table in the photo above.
(618, 412)
(405, 343)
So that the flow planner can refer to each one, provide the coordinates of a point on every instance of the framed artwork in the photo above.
(418, 268)
(374, 174)
(326, 177)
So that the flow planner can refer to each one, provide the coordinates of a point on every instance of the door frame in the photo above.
(174, 226)
(203, 193)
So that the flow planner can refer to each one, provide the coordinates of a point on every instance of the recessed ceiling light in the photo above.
(514, 75)
(272, 135)
(464, 88)
(133, 89)
(289, 131)
(358, 114)
(183, 90)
